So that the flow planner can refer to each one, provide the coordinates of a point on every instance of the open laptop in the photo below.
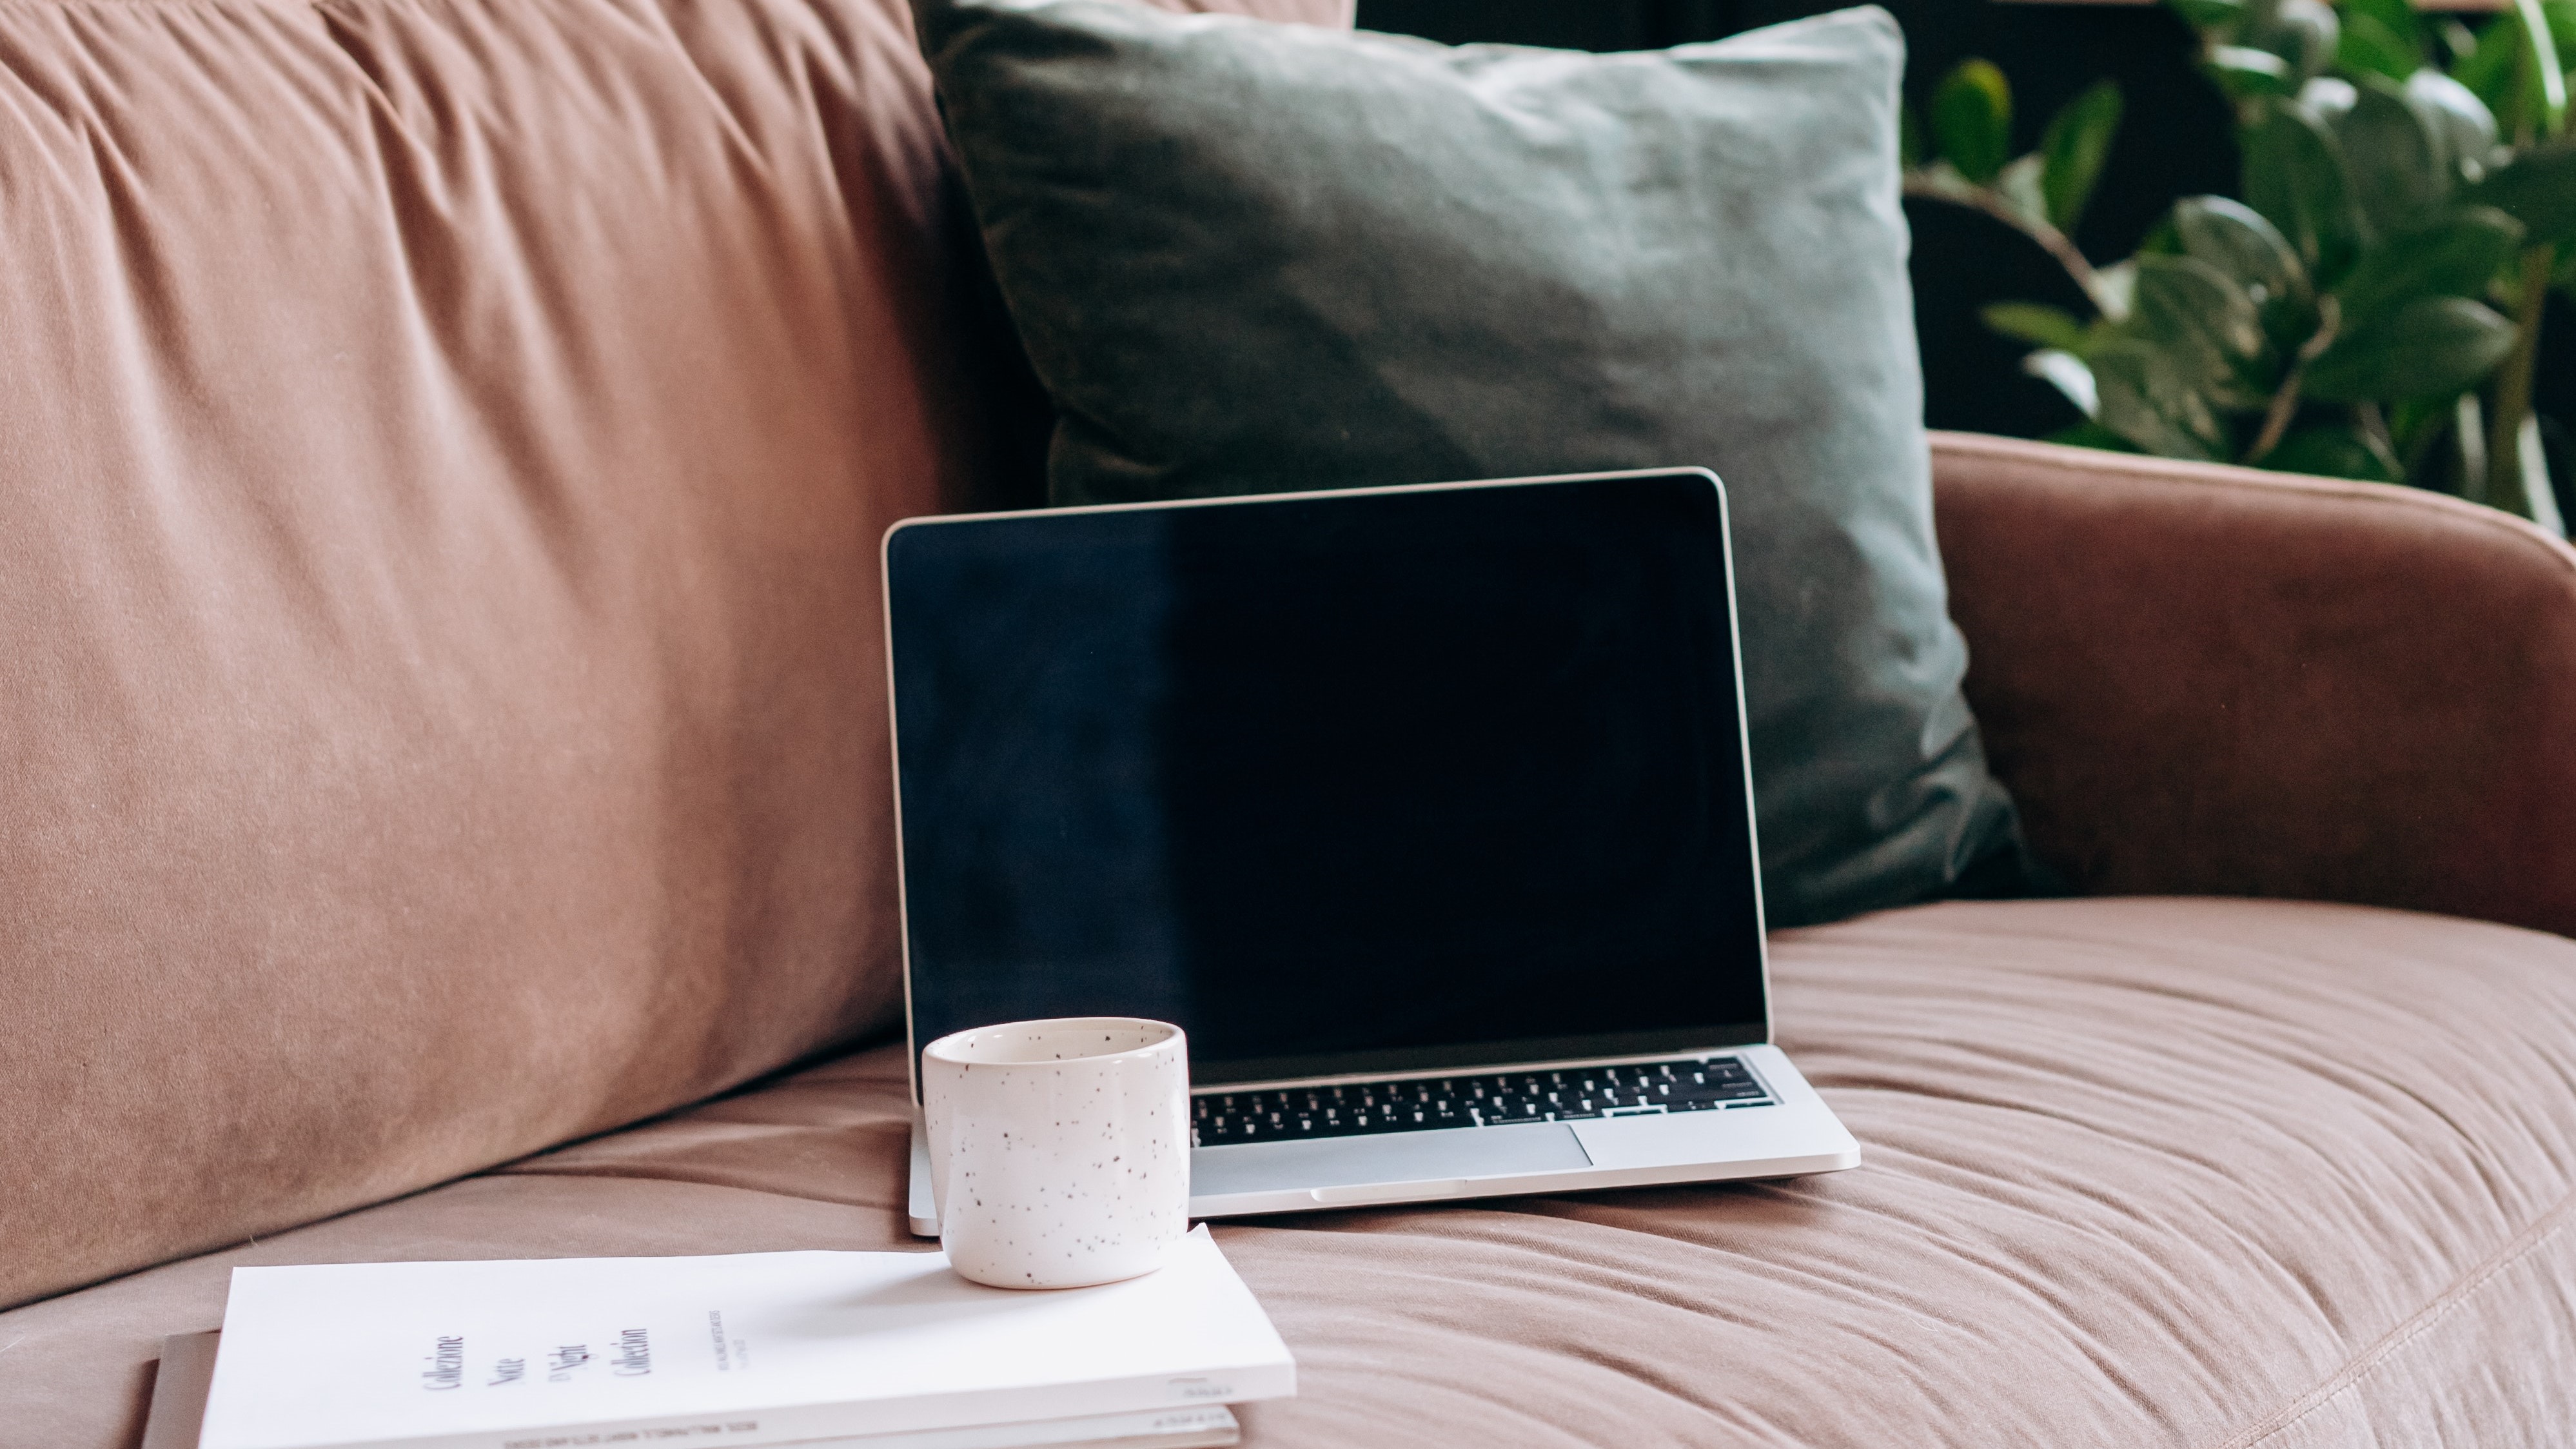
(1426, 812)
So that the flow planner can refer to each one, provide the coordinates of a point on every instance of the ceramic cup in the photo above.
(1059, 1150)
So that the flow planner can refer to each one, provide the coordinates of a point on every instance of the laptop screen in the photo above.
(1418, 778)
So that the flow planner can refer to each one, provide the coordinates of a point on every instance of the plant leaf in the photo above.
(2415, 426)
(2246, 73)
(2456, 255)
(2114, 285)
(2327, 99)
(2209, 14)
(2545, 66)
(2067, 373)
(2143, 400)
(2515, 86)
(2290, 322)
(2399, 158)
(2369, 46)
(2294, 176)
(2458, 41)
(2397, 17)
(1972, 120)
(2538, 188)
(2430, 347)
(2467, 124)
(2493, 72)
(2306, 33)
(2018, 185)
(2234, 238)
(2041, 326)
(2072, 150)
(2204, 324)
(2561, 15)
(2334, 452)
(2090, 434)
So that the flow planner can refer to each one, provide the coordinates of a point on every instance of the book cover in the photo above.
(739, 1350)
(178, 1414)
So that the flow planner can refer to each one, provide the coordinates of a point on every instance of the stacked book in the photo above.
(866, 1350)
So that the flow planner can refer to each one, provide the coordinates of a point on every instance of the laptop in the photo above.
(1426, 812)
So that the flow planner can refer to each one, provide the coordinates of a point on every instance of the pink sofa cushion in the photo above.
(444, 449)
(2186, 1173)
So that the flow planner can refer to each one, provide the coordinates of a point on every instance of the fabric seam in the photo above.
(2423, 1320)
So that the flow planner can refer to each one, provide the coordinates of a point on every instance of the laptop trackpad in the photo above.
(1465, 1152)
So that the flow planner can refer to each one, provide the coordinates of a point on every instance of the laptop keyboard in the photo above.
(1423, 1104)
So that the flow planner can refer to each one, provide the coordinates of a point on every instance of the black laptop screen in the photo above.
(1424, 778)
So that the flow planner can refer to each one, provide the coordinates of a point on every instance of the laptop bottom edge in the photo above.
(925, 1224)
(1322, 1199)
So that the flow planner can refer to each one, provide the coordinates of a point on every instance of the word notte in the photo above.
(634, 1359)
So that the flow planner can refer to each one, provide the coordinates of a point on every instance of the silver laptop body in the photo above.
(1448, 910)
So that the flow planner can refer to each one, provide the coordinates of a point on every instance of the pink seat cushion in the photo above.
(2138, 1172)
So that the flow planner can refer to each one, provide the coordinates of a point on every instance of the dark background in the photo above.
(2175, 140)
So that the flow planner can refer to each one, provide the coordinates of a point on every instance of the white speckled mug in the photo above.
(1059, 1150)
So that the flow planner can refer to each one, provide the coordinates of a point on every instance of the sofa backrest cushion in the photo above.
(443, 445)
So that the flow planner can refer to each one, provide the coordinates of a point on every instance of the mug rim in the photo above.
(942, 1049)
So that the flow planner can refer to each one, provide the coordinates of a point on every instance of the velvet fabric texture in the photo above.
(1245, 259)
(443, 450)
(2138, 1174)
(2208, 680)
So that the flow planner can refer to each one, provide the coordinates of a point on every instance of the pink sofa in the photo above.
(443, 448)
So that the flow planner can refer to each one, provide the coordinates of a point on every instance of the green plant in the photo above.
(2371, 308)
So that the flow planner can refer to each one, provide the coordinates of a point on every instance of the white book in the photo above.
(737, 1351)
(178, 1415)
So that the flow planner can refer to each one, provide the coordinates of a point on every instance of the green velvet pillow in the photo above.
(1247, 256)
